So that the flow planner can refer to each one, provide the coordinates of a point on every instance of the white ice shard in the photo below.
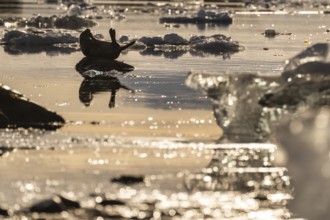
(235, 103)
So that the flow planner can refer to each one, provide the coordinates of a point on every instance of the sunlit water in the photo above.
(164, 132)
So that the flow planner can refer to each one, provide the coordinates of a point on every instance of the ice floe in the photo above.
(175, 45)
(31, 37)
(36, 41)
(64, 22)
(201, 17)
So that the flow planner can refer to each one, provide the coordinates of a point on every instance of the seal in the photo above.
(92, 47)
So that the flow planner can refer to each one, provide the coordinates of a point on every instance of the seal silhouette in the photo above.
(92, 47)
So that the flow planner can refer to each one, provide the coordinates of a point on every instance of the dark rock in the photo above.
(4, 212)
(270, 33)
(111, 202)
(18, 111)
(54, 205)
(47, 206)
(128, 180)
(4, 150)
(68, 203)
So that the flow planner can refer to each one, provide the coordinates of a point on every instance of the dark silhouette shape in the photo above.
(18, 111)
(54, 205)
(128, 180)
(90, 87)
(92, 47)
(111, 202)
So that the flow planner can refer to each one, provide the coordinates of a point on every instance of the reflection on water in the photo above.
(100, 77)
(91, 87)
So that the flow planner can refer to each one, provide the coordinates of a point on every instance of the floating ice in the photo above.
(39, 38)
(297, 94)
(197, 45)
(152, 41)
(243, 103)
(214, 44)
(235, 103)
(202, 17)
(174, 39)
(65, 22)
(308, 76)
(310, 62)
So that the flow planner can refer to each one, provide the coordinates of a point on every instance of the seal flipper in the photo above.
(112, 33)
(127, 45)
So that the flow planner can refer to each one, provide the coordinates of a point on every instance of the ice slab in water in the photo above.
(65, 22)
(203, 16)
(174, 45)
(34, 41)
(37, 38)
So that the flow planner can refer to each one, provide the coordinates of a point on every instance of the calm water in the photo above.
(164, 131)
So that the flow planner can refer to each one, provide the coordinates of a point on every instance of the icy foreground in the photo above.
(249, 108)
(304, 83)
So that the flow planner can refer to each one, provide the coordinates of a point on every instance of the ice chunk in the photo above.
(201, 17)
(152, 41)
(316, 53)
(196, 45)
(51, 37)
(215, 44)
(235, 103)
(174, 39)
(297, 94)
(65, 22)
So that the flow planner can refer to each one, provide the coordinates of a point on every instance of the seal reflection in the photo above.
(100, 76)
